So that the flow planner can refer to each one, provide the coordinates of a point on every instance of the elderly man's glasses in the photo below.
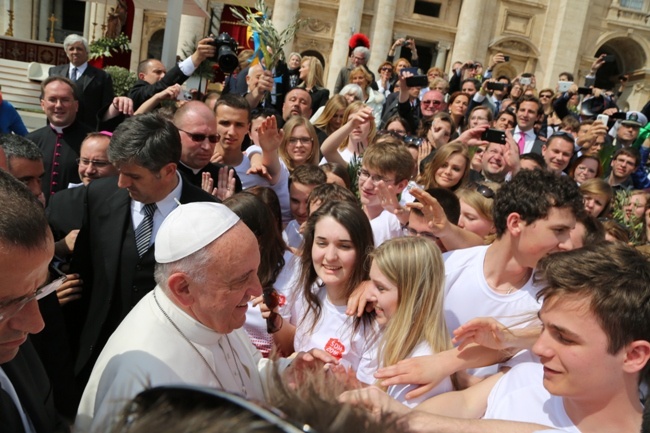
(97, 163)
(11, 308)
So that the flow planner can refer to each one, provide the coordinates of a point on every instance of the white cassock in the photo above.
(146, 350)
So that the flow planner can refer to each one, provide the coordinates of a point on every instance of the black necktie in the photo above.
(145, 229)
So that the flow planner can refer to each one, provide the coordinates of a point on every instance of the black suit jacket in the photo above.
(65, 211)
(57, 177)
(97, 257)
(141, 90)
(33, 388)
(94, 91)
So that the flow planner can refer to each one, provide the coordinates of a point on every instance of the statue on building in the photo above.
(116, 20)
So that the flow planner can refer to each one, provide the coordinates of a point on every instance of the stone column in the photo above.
(191, 31)
(441, 57)
(172, 27)
(468, 31)
(566, 42)
(382, 33)
(136, 39)
(44, 10)
(284, 12)
(348, 22)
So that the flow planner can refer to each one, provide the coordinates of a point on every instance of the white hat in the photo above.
(635, 118)
(190, 227)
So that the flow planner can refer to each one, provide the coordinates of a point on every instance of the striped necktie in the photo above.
(73, 77)
(145, 229)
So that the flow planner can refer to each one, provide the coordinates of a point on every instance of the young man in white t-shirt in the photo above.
(594, 350)
(385, 171)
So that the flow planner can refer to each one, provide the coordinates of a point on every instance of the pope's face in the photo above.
(220, 301)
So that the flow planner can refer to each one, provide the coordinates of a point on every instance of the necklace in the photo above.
(513, 287)
(205, 361)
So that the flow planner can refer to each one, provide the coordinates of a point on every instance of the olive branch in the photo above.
(271, 41)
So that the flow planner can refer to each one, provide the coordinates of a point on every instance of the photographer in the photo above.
(153, 77)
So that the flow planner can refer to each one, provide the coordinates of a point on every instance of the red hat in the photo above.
(358, 40)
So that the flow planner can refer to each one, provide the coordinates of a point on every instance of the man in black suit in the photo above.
(94, 87)
(114, 251)
(153, 77)
(198, 129)
(61, 139)
(26, 248)
(66, 207)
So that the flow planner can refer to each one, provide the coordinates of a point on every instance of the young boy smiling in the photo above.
(385, 171)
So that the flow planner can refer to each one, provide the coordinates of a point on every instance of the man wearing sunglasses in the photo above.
(197, 126)
(26, 248)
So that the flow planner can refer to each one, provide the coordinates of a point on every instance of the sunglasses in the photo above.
(387, 69)
(272, 300)
(184, 400)
(485, 191)
(201, 137)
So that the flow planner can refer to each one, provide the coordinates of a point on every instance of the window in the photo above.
(430, 9)
(632, 4)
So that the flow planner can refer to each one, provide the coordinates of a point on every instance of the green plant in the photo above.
(122, 78)
(103, 47)
(271, 41)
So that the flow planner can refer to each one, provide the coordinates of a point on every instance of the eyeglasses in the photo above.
(181, 400)
(302, 140)
(408, 231)
(545, 95)
(431, 102)
(272, 300)
(214, 138)
(384, 69)
(391, 132)
(97, 163)
(375, 179)
(13, 307)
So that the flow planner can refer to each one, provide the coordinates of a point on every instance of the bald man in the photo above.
(197, 126)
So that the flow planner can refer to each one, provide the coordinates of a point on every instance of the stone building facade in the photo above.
(545, 37)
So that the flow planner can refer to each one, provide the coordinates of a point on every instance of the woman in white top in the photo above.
(407, 276)
(338, 238)
(373, 99)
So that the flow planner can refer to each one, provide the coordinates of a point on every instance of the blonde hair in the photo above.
(289, 126)
(415, 266)
(315, 76)
(478, 201)
(428, 176)
(363, 71)
(335, 103)
(353, 108)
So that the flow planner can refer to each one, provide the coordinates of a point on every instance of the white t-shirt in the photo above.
(281, 187)
(370, 363)
(292, 236)
(385, 226)
(334, 332)
(285, 284)
(345, 154)
(520, 396)
(468, 295)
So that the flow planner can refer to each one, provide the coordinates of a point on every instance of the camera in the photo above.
(226, 55)
(411, 140)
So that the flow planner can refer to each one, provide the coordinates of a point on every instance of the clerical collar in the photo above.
(59, 129)
(194, 170)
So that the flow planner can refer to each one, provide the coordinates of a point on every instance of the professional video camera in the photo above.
(226, 55)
